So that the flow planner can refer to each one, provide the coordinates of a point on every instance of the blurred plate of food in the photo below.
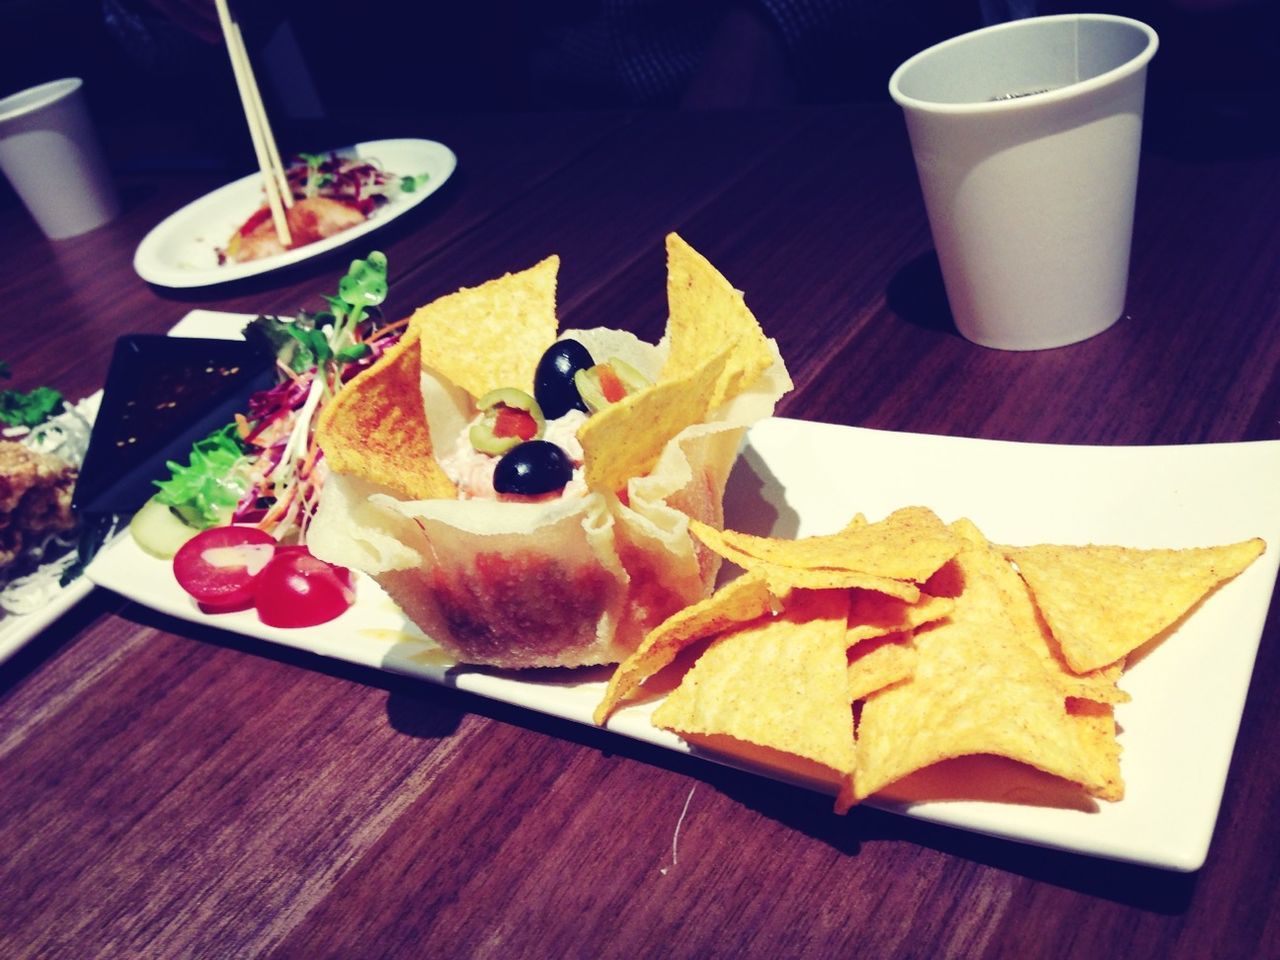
(40, 576)
(339, 196)
(51, 521)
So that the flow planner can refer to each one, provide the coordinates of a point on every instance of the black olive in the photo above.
(553, 386)
(532, 468)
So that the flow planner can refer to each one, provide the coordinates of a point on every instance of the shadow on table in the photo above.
(916, 295)
(49, 642)
(414, 707)
(410, 709)
(427, 711)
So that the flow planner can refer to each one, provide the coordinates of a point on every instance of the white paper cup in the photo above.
(1026, 138)
(51, 155)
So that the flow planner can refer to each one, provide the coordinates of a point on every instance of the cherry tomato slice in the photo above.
(220, 566)
(298, 590)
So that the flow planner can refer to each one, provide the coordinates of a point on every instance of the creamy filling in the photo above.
(472, 471)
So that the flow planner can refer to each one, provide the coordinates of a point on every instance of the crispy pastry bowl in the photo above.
(576, 579)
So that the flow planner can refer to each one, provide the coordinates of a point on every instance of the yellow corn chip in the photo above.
(785, 579)
(880, 662)
(979, 688)
(779, 682)
(874, 614)
(1103, 602)
(706, 315)
(739, 601)
(490, 336)
(1098, 685)
(376, 428)
(909, 544)
(625, 439)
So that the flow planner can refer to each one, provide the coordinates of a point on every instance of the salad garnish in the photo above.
(205, 490)
(330, 193)
(233, 518)
(265, 468)
(362, 183)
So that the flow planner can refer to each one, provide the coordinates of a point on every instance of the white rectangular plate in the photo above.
(802, 478)
(19, 629)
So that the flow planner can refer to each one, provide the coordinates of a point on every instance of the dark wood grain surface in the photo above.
(172, 791)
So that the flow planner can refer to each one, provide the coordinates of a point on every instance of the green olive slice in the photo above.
(507, 417)
(607, 383)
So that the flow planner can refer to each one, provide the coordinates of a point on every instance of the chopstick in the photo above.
(260, 113)
(276, 184)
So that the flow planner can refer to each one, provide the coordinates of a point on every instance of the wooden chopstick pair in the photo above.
(279, 196)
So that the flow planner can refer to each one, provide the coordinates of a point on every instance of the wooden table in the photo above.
(168, 791)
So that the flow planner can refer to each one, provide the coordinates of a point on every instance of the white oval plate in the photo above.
(182, 250)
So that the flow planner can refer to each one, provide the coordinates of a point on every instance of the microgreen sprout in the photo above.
(410, 184)
(364, 287)
(315, 179)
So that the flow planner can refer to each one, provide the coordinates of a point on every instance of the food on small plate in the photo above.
(331, 193)
(524, 493)
(310, 219)
(43, 446)
(35, 499)
(868, 658)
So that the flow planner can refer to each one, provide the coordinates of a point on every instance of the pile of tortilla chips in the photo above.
(881, 650)
(568, 580)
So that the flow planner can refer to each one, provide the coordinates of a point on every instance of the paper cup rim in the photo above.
(1070, 91)
(37, 98)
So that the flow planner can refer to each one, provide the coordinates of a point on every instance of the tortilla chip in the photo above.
(979, 688)
(909, 545)
(1097, 685)
(880, 662)
(1103, 602)
(783, 580)
(873, 614)
(779, 682)
(490, 336)
(707, 315)
(376, 428)
(739, 601)
(625, 439)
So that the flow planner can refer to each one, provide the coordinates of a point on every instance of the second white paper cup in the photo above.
(50, 153)
(1026, 138)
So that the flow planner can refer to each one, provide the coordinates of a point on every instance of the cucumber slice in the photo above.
(158, 530)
